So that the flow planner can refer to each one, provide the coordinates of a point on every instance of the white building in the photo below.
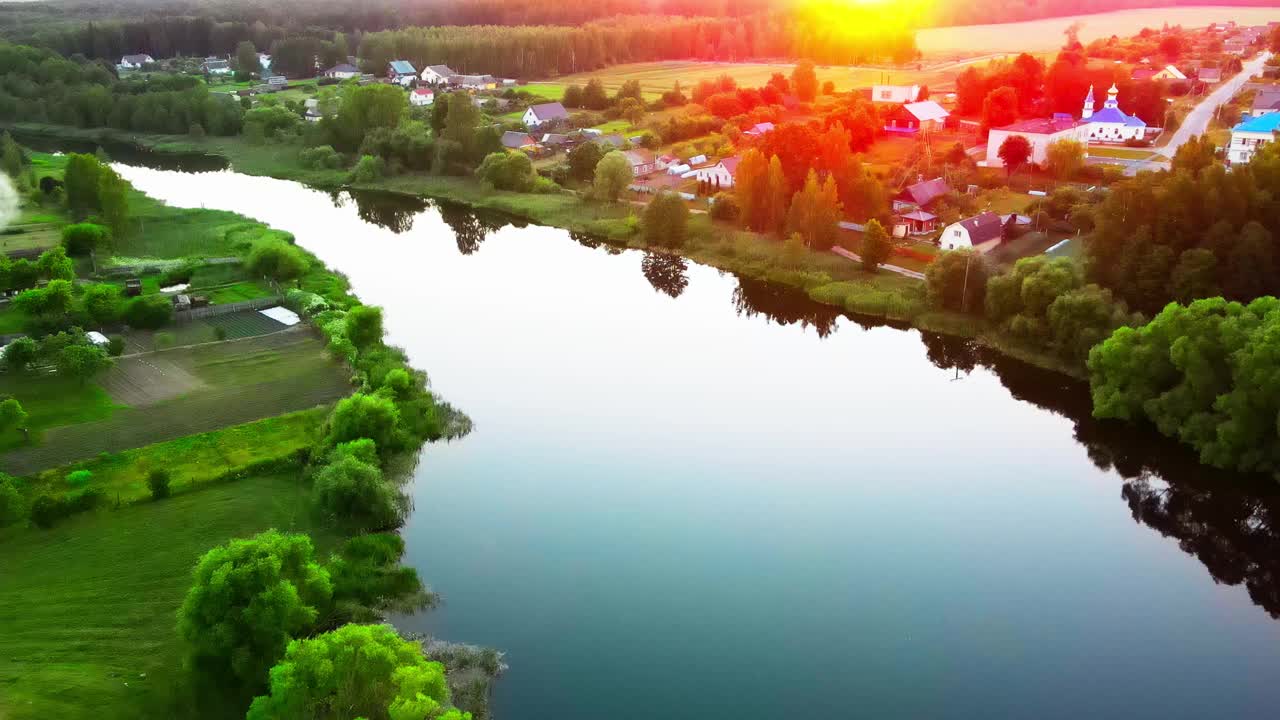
(1265, 103)
(217, 66)
(1111, 124)
(342, 71)
(1250, 135)
(896, 94)
(719, 175)
(437, 74)
(544, 113)
(134, 62)
(1040, 133)
(981, 232)
(422, 96)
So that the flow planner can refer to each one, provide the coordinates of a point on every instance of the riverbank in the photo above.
(824, 277)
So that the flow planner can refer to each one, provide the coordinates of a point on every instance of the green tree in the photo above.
(583, 160)
(247, 600)
(957, 280)
(355, 493)
(148, 312)
(113, 201)
(53, 264)
(12, 506)
(365, 671)
(247, 57)
(1196, 154)
(666, 221)
(103, 303)
(804, 81)
(83, 238)
(1000, 107)
(363, 326)
(815, 212)
(593, 95)
(1013, 152)
(613, 175)
(13, 417)
(875, 246)
(368, 580)
(158, 483)
(80, 183)
(508, 171)
(368, 168)
(1195, 276)
(10, 157)
(631, 109)
(461, 125)
(1064, 158)
(81, 362)
(777, 193)
(19, 354)
(365, 416)
(277, 259)
(365, 108)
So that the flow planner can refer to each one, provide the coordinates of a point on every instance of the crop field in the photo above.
(658, 77)
(195, 390)
(1048, 34)
(88, 608)
(52, 401)
(31, 238)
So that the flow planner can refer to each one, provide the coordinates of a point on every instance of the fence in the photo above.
(182, 316)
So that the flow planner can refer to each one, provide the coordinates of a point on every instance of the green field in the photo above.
(1047, 34)
(52, 401)
(180, 392)
(658, 77)
(1120, 153)
(88, 608)
(30, 237)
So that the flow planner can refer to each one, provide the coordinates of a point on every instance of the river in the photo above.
(690, 496)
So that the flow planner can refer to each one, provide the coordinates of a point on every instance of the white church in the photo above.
(1111, 124)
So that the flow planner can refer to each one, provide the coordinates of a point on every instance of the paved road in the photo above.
(891, 268)
(1197, 121)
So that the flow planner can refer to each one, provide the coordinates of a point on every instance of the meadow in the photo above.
(89, 606)
(658, 77)
(1049, 34)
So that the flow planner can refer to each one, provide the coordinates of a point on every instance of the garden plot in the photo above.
(194, 390)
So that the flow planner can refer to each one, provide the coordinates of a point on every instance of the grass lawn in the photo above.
(1120, 153)
(548, 90)
(171, 394)
(52, 401)
(238, 292)
(88, 608)
(12, 321)
(615, 126)
(30, 237)
(1004, 201)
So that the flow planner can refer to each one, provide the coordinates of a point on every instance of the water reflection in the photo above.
(124, 153)
(392, 211)
(667, 273)
(1228, 521)
(784, 306)
(469, 228)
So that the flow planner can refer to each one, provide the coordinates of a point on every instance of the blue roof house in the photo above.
(1111, 124)
(1250, 135)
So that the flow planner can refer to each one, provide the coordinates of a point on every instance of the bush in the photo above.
(164, 340)
(158, 482)
(49, 509)
(79, 478)
(724, 207)
(354, 491)
(277, 259)
(323, 157)
(11, 506)
(507, 171)
(368, 169)
(84, 238)
(148, 312)
(177, 276)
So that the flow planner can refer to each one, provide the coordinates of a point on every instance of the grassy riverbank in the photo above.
(824, 277)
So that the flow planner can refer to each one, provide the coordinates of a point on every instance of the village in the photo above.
(965, 155)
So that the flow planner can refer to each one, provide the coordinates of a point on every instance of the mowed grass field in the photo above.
(171, 394)
(658, 77)
(1048, 34)
(88, 608)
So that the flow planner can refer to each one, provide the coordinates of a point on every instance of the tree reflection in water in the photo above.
(1228, 521)
(784, 306)
(392, 211)
(665, 272)
(470, 227)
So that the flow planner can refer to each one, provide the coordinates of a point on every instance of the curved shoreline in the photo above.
(564, 210)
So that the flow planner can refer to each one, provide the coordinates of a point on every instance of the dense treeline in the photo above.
(1196, 232)
(23, 19)
(40, 86)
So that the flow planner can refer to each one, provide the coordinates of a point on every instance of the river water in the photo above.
(692, 496)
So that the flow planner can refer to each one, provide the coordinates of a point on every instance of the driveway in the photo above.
(1197, 121)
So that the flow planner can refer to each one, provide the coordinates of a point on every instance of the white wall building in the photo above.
(1040, 133)
(134, 62)
(1250, 135)
(544, 113)
(719, 175)
(422, 96)
(437, 74)
(977, 232)
(896, 94)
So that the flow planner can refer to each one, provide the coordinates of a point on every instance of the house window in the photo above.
(886, 94)
(955, 233)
